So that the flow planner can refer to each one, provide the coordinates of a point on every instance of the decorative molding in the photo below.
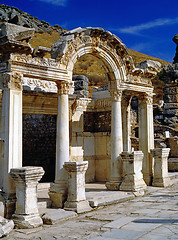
(102, 103)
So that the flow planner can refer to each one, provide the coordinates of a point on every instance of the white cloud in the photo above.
(144, 26)
(62, 3)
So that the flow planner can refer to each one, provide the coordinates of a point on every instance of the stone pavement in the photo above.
(151, 217)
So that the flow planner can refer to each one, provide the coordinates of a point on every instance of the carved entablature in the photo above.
(96, 38)
(23, 58)
(139, 79)
(116, 95)
(146, 99)
(102, 104)
(11, 81)
(63, 87)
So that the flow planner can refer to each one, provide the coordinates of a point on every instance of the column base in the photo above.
(58, 194)
(78, 207)
(162, 182)
(113, 185)
(27, 221)
(132, 184)
(148, 179)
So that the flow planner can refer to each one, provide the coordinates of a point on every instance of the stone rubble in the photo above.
(6, 226)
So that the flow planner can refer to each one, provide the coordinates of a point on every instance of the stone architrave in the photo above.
(76, 200)
(132, 172)
(58, 192)
(11, 135)
(160, 176)
(126, 99)
(26, 180)
(116, 141)
(146, 134)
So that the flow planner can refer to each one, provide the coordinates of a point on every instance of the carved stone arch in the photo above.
(95, 41)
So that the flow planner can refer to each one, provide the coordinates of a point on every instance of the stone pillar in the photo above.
(58, 192)
(116, 141)
(76, 200)
(132, 172)
(160, 176)
(26, 180)
(126, 127)
(146, 135)
(11, 135)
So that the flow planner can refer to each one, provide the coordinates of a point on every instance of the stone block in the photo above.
(1, 209)
(76, 199)
(6, 226)
(132, 172)
(173, 164)
(56, 215)
(160, 172)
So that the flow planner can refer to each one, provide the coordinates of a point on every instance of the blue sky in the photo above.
(144, 26)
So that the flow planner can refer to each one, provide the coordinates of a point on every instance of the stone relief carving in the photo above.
(11, 81)
(102, 103)
(39, 85)
(47, 62)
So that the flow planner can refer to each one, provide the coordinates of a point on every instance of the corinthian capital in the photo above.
(11, 80)
(146, 98)
(63, 87)
(116, 95)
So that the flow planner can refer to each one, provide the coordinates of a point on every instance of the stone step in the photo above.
(173, 175)
(113, 198)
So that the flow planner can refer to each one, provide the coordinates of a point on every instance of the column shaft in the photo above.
(116, 142)
(146, 135)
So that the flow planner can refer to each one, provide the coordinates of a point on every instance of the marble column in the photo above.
(116, 141)
(11, 135)
(160, 175)
(26, 180)
(58, 192)
(76, 200)
(146, 135)
(126, 127)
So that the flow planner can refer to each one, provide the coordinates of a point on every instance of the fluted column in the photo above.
(116, 141)
(11, 135)
(126, 127)
(146, 135)
(59, 190)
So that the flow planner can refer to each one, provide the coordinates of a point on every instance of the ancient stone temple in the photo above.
(94, 129)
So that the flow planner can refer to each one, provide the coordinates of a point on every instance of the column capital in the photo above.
(146, 98)
(11, 81)
(63, 87)
(126, 100)
(116, 95)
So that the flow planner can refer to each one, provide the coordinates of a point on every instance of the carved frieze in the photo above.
(39, 85)
(23, 58)
(102, 103)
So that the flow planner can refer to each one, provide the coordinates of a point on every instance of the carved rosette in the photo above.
(63, 87)
(146, 99)
(11, 81)
(116, 95)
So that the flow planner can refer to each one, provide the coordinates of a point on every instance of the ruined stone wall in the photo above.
(39, 143)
